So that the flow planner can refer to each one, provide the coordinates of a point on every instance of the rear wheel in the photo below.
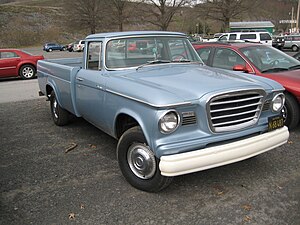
(138, 163)
(295, 48)
(27, 72)
(60, 116)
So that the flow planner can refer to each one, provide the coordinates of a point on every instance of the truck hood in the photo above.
(168, 84)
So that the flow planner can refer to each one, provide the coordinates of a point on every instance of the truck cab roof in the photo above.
(132, 33)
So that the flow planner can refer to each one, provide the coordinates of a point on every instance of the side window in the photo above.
(296, 38)
(223, 38)
(232, 37)
(94, 60)
(227, 59)
(265, 37)
(287, 38)
(248, 36)
(8, 55)
(178, 50)
(204, 54)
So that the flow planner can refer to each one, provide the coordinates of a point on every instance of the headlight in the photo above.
(278, 102)
(169, 122)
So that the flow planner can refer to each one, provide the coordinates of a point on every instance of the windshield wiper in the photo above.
(181, 60)
(153, 62)
(294, 67)
(276, 69)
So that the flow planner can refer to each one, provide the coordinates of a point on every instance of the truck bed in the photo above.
(60, 75)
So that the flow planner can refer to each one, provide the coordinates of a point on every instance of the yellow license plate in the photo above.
(275, 123)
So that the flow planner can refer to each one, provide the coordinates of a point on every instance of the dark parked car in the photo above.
(260, 60)
(69, 47)
(49, 47)
(15, 63)
(278, 42)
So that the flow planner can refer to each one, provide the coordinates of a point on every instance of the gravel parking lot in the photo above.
(41, 183)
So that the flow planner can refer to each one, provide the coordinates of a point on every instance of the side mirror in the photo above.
(240, 67)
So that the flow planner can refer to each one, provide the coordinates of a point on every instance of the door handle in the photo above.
(80, 79)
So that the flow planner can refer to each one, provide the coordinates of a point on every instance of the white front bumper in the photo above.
(189, 162)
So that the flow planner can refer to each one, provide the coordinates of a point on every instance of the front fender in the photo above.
(143, 119)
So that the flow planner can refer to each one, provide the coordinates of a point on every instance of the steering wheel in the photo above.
(178, 57)
(274, 63)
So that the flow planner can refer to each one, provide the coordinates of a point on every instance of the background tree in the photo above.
(87, 14)
(122, 12)
(118, 11)
(161, 12)
(227, 10)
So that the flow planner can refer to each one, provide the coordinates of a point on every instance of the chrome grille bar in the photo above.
(236, 114)
(235, 110)
(238, 100)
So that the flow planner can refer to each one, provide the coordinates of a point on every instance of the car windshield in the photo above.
(137, 52)
(269, 59)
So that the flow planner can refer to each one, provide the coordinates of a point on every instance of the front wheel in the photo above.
(138, 163)
(291, 112)
(60, 116)
(27, 72)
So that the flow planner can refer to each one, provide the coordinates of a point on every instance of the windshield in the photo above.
(134, 52)
(269, 59)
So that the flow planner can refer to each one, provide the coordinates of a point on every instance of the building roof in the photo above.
(251, 24)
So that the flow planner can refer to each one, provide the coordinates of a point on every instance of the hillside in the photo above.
(27, 23)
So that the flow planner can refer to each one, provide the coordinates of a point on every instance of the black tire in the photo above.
(27, 72)
(295, 48)
(59, 115)
(291, 111)
(141, 174)
(50, 50)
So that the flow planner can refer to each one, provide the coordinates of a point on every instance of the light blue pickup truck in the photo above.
(171, 114)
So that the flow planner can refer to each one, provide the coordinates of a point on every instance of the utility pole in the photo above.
(292, 21)
(297, 21)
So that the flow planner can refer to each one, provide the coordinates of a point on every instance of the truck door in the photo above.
(90, 84)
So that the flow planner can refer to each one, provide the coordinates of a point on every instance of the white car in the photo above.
(78, 46)
(258, 37)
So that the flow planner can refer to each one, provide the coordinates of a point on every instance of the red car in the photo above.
(17, 63)
(260, 60)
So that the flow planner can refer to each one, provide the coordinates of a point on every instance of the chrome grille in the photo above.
(235, 110)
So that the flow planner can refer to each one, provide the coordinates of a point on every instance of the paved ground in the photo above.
(41, 184)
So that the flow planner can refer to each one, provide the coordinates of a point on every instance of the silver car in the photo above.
(292, 42)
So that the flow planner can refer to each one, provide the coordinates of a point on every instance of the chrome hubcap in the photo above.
(284, 113)
(54, 108)
(141, 161)
(28, 72)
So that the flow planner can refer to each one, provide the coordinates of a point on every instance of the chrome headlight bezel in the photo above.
(277, 102)
(165, 123)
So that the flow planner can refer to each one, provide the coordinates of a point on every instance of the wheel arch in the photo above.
(26, 63)
(49, 88)
(126, 120)
(123, 122)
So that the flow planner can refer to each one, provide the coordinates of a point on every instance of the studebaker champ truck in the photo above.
(171, 114)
